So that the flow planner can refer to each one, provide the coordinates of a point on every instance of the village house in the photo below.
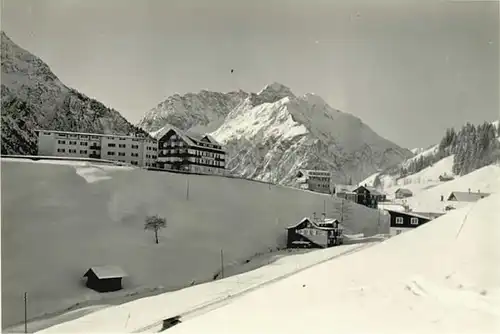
(311, 233)
(189, 152)
(369, 196)
(132, 149)
(315, 180)
(403, 193)
(460, 196)
(404, 221)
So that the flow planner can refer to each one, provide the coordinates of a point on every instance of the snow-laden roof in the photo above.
(316, 224)
(404, 191)
(464, 196)
(103, 272)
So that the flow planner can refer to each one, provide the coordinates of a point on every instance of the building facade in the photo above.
(315, 180)
(369, 196)
(190, 153)
(134, 150)
(309, 233)
(405, 221)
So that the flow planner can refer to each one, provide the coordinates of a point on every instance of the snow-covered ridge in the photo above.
(269, 135)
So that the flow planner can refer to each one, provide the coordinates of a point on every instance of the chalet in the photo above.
(309, 233)
(189, 152)
(403, 193)
(459, 196)
(315, 180)
(404, 221)
(105, 278)
(369, 196)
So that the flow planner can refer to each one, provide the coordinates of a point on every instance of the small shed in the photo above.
(105, 278)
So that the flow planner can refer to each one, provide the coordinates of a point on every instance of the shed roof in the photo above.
(404, 191)
(464, 196)
(103, 272)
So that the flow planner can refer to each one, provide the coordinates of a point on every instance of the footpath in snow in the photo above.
(147, 314)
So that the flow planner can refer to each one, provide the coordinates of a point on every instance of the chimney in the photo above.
(469, 190)
(323, 216)
(442, 198)
(478, 191)
(314, 216)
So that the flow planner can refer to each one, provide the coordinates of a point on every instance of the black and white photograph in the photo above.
(250, 166)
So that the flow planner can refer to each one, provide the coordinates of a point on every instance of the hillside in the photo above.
(443, 277)
(271, 134)
(33, 97)
(458, 153)
(59, 219)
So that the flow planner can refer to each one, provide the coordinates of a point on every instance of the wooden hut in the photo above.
(105, 278)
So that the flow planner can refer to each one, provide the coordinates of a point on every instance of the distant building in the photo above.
(404, 221)
(309, 233)
(346, 192)
(369, 196)
(315, 180)
(459, 196)
(445, 178)
(134, 150)
(403, 193)
(105, 278)
(190, 153)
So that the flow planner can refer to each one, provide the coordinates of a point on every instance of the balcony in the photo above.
(95, 147)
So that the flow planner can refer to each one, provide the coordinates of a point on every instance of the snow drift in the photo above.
(443, 277)
(58, 220)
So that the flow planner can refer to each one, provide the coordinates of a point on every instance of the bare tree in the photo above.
(155, 223)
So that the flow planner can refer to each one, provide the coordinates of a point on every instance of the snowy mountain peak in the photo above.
(276, 88)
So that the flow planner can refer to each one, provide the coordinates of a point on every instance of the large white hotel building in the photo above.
(134, 150)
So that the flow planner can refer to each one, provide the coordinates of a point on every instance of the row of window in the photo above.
(72, 142)
(209, 162)
(149, 156)
(63, 150)
(311, 232)
(135, 147)
(122, 154)
(151, 148)
(413, 220)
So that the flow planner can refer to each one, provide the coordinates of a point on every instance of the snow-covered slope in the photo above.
(58, 220)
(271, 134)
(302, 132)
(443, 277)
(33, 97)
(485, 180)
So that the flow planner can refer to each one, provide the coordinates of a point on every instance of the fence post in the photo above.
(222, 263)
(26, 312)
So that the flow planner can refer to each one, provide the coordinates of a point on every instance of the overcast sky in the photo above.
(408, 69)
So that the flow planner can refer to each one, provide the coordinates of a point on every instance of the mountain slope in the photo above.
(33, 97)
(274, 130)
(458, 153)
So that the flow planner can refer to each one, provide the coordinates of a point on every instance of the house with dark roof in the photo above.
(312, 233)
(189, 152)
(403, 193)
(105, 278)
(463, 196)
(404, 221)
(369, 196)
